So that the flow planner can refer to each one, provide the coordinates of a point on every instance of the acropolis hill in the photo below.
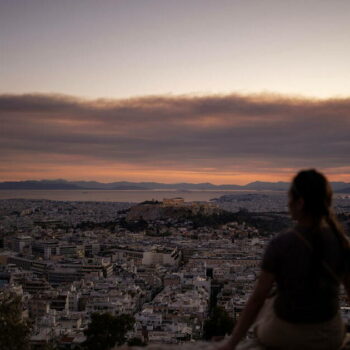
(170, 208)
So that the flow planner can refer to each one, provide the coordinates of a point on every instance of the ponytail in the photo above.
(337, 229)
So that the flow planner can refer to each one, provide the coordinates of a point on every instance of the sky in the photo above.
(161, 90)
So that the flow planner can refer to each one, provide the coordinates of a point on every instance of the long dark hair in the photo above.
(316, 192)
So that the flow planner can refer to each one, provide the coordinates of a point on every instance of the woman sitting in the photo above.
(307, 264)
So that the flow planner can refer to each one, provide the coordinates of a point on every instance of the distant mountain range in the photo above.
(342, 187)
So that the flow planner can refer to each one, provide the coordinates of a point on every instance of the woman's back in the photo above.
(307, 290)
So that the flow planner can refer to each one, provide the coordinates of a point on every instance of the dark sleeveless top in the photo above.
(306, 291)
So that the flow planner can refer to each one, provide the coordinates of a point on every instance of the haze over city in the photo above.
(226, 92)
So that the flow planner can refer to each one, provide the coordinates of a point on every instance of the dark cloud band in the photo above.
(200, 132)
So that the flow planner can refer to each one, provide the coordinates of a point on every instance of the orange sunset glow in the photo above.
(223, 139)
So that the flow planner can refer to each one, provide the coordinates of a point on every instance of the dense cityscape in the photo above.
(171, 266)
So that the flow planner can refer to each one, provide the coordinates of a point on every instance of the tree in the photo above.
(15, 332)
(219, 324)
(105, 331)
(136, 342)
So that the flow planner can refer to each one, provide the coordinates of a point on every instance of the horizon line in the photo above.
(159, 182)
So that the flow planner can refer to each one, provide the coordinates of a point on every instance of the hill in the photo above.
(126, 185)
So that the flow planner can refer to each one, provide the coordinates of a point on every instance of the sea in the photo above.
(133, 196)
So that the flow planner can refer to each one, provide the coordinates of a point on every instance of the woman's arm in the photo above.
(254, 304)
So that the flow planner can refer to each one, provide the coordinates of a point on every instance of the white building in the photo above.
(158, 256)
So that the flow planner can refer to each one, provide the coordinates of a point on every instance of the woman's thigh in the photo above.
(276, 333)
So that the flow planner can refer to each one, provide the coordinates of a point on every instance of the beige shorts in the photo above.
(276, 333)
